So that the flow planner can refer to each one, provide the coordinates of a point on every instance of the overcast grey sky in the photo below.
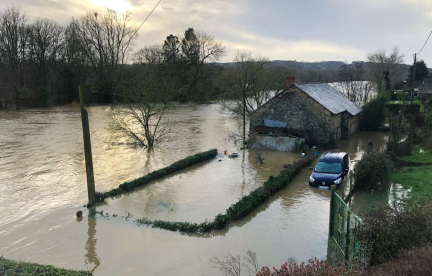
(303, 30)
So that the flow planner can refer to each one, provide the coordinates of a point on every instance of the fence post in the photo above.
(87, 149)
(347, 241)
(331, 219)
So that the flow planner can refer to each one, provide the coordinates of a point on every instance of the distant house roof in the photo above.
(329, 97)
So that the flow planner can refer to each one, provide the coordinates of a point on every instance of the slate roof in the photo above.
(329, 97)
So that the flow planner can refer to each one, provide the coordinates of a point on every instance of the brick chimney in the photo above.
(289, 81)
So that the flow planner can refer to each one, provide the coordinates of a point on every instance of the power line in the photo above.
(132, 36)
(424, 43)
(148, 15)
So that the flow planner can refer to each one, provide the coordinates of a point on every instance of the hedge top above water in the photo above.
(9, 267)
(240, 209)
(177, 166)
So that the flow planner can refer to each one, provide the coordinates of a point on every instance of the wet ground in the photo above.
(43, 185)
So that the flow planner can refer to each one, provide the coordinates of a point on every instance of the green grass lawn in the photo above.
(419, 154)
(401, 102)
(419, 179)
(407, 103)
(9, 267)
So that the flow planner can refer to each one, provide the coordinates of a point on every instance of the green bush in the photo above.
(373, 171)
(179, 165)
(391, 230)
(373, 114)
(9, 267)
(428, 120)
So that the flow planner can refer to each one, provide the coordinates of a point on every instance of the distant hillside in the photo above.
(306, 66)
(302, 65)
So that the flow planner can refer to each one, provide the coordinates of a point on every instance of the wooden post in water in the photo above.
(87, 149)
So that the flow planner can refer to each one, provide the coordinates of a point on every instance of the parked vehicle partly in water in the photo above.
(331, 169)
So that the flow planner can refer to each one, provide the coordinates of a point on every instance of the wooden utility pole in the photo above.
(244, 117)
(87, 149)
(414, 77)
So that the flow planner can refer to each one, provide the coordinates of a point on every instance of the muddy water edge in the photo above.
(43, 185)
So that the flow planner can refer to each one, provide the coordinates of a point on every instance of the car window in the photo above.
(324, 167)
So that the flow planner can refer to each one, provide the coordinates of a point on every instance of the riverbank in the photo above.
(9, 267)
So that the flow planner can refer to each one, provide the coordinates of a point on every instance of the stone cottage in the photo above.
(316, 111)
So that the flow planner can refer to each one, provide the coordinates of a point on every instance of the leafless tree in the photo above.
(46, 52)
(253, 79)
(149, 55)
(13, 50)
(106, 39)
(380, 62)
(251, 143)
(352, 83)
(251, 262)
(231, 265)
(199, 50)
(142, 120)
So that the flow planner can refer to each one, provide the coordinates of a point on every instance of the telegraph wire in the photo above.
(425, 43)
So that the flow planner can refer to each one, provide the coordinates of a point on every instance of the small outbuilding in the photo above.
(315, 111)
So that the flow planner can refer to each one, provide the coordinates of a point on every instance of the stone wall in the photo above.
(277, 143)
(303, 115)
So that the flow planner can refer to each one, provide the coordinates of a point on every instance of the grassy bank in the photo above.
(177, 166)
(9, 267)
(419, 154)
(237, 211)
(417, 178)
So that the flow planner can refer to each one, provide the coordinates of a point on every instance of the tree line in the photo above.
(42, 63)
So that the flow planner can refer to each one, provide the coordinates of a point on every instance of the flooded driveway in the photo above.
(43, 185)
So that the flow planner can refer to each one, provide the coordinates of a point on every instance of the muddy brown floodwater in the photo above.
(43, 185)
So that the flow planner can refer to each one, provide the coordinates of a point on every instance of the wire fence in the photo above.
(345, 230)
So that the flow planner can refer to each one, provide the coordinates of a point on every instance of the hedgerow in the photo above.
(238, 210)
(179, 165)
(9, 267)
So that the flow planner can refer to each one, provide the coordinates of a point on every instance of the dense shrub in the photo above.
(406, 109)
(373, 114)
(9, 267)
(312, 267)
(412, 262)
(237, 211)
(428, 120)
(179, 165)
(391, 230)
(373, 171)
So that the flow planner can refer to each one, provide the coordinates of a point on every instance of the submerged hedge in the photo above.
(179, 165)
(238, 210)
(9, 267)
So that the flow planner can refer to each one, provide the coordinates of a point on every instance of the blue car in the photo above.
(331, 169)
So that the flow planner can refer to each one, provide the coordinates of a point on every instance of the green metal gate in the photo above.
(344, 230)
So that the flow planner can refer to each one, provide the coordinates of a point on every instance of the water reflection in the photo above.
(91, 256)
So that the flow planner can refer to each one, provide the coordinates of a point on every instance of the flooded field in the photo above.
(43, 185)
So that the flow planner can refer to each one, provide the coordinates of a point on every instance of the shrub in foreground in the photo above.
(394, 229)
(412, 262)
(312, 267)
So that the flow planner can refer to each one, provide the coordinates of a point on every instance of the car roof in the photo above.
(332, 157)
